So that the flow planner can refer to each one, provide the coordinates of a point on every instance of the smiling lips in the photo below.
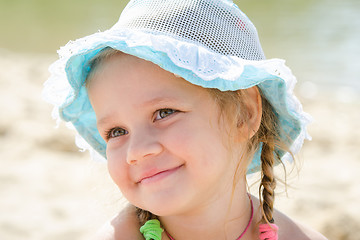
(155, 175)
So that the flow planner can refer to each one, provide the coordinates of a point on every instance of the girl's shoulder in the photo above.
(124, 226)
(290, 229)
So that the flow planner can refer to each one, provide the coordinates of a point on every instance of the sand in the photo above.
(51, 190)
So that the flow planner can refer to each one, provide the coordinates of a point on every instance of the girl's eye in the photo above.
(163, 113)
(116, 132)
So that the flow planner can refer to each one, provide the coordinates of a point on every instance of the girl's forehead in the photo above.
(136, 73)
(133, 77)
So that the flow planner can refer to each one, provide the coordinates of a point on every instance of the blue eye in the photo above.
(116, 132)
(163, 113)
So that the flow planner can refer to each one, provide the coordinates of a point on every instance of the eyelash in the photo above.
(109, 133)
(158, 113)
(158, 116)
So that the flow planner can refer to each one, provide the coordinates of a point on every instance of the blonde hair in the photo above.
(232, 105)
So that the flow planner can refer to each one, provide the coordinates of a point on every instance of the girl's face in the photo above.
(166, 145)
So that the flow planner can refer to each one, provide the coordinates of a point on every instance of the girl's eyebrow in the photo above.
(157, 101)
(102, 121)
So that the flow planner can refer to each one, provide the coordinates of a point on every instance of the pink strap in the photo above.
(268, 231)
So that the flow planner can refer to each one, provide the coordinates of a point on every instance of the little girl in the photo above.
(179, 99)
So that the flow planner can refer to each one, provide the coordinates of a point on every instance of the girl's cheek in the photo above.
(116, 164)
(116, 149)
(112, 152)
(180, 139)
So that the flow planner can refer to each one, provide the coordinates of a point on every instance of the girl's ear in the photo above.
(250, 124)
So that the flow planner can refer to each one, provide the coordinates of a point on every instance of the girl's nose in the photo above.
(142, 145)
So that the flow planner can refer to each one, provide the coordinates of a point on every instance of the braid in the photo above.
(268, 182)
(268, 135)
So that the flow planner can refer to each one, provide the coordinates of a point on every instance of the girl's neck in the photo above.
(214, 220)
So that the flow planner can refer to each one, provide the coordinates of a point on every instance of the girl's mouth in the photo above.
(152, 177)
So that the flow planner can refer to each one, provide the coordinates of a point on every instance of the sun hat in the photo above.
(210, 43)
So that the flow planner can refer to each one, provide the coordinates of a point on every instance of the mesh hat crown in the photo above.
(209, 43)
(214, 24)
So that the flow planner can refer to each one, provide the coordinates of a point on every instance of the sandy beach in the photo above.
(51, 190)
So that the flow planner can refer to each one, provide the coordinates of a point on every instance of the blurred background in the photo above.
(50, 190)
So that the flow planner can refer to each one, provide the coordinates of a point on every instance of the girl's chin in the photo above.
(163, 208)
